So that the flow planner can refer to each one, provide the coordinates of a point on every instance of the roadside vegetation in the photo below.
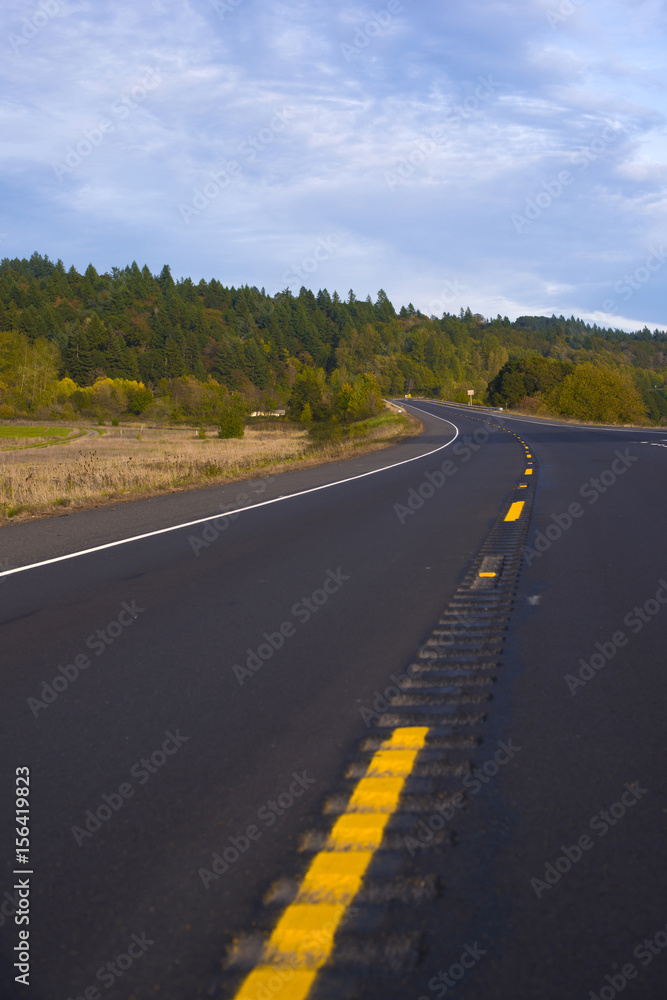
(132, 344)
(17, 436)
(129, 383)
(132, 461)
(589, 392)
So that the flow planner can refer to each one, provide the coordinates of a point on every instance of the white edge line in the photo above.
(227, 513)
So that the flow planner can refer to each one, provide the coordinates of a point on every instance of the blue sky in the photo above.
(507, 156)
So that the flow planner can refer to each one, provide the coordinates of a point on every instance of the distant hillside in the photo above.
(130, 325)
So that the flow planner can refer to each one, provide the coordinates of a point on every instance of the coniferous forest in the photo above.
(131, 343)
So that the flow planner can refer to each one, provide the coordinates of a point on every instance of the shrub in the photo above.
(599, 392)
(232, 422)
(326, 432)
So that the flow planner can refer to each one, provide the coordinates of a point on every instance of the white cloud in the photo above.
(222, 79)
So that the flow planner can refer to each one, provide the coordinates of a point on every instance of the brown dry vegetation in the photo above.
(130, 462)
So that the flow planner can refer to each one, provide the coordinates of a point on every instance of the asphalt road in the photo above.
(164, 715)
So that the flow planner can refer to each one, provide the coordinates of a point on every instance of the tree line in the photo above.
(130, 342)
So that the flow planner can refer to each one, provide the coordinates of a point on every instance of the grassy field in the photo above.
(129, 462)
(15, 436)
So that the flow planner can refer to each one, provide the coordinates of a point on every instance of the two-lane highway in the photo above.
(192, 703)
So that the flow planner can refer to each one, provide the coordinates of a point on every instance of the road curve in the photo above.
(232, 666)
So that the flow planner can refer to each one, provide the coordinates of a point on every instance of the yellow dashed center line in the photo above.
(396, 763)
(487, 574)
(303, 937)
(358, 832)
(528, 472)
(514, 513)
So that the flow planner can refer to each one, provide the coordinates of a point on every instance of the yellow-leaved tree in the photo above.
(600, 393)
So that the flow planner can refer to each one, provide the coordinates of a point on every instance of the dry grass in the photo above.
(125, 463)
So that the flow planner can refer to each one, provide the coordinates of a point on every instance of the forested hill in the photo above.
(142, 328)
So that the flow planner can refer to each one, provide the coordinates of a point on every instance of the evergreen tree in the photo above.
(78, 361)
(174, 365)
(165, 280)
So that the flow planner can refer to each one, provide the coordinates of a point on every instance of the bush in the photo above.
(600, 393)
(533, 404)
(232, 423)
(308, 390)
(326, 432)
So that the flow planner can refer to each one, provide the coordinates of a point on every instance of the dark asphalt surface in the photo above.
(168, 668)
(578, 750)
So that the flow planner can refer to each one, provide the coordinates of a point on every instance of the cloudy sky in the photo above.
(509, 156)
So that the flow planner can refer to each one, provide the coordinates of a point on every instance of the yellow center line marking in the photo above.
(334, 876)
(528, 472)
(284, 981)
(487, 574)
(514, 513)
(303, 938)
(391, 763)
(376, 795)
(358, 832)
(412, 737)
